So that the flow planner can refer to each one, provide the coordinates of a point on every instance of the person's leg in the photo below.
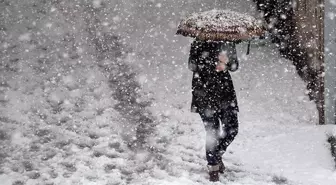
(229, 120)
(211, 124)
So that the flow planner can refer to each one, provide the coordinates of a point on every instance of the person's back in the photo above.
(214, 97)
(215, 86)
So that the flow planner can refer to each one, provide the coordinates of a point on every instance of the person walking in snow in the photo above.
(214, 97)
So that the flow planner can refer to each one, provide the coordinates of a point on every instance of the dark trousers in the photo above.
(221, 129)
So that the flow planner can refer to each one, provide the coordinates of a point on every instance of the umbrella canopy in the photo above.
(218, 25)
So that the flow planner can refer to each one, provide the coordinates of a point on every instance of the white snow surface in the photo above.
(59, 124)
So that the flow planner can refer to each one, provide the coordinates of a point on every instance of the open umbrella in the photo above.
(219, 25)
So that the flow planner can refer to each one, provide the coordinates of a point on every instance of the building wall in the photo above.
(330, 61)
(309, 32)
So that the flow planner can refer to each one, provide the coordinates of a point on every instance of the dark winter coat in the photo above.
(212, 90)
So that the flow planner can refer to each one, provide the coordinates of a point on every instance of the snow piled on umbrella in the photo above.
(220, 25)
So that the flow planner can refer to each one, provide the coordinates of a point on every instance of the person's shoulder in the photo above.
(198, 45)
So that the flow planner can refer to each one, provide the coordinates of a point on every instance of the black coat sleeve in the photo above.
(194, 57)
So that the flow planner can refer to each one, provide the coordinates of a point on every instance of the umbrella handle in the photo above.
(248, 48)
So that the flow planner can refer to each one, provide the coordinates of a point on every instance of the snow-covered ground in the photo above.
(278, 142)
(70, 101)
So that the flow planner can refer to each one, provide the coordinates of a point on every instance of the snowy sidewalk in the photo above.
(278, 141)
(60, 123)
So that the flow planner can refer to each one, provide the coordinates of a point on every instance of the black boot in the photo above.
(213, 173)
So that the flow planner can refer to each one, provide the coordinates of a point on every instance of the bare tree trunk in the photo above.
(297, 27)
